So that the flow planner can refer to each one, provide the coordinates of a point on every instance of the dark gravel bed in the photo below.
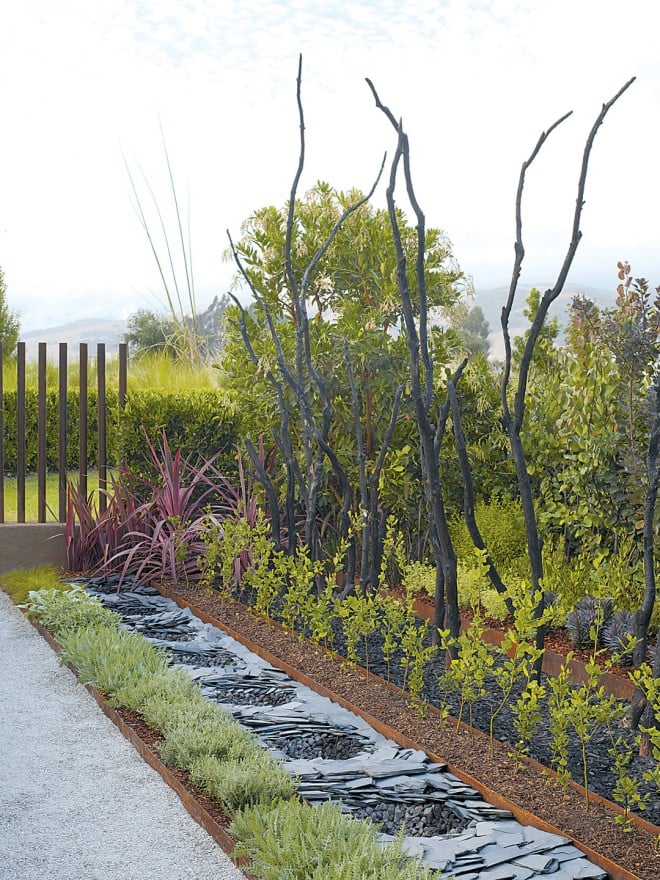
(317, 745)
(247, 694)
(207, 657)
(419, 820)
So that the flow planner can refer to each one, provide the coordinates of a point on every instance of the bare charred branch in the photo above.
(513, 422)
(468, 494)
(421, 394)
(443, 415)
(271, 494)
(643, 614)
(283, 440)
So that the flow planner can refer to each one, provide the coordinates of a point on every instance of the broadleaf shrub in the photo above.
(502, 526)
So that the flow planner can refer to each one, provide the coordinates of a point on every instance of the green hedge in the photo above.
(198, 422)
(52, 429)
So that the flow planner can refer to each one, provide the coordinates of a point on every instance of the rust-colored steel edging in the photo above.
(615, 871)
(195, 809)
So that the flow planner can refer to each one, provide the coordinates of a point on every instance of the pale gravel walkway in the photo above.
(77, 802)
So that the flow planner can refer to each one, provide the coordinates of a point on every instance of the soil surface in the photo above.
(529, 788)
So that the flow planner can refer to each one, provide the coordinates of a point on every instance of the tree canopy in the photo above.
(10, 325)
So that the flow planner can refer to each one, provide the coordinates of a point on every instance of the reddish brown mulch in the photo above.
(526, 787)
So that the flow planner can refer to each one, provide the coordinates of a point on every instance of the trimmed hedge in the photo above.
(52, 428)
(196, 421)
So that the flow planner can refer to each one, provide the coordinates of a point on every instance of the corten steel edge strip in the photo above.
(193, 807)
(615, 871)
(643, 824)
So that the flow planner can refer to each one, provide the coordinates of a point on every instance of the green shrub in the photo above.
(618, 576)
(173, 685)
(476, 591)
(52, 428)
(65, 611)
(110, 658)
(419, 578)
(256, 778)
(19, 582)
(197, 422)
(166, 711)
(502, 527)
(293, 841)
(216, 736)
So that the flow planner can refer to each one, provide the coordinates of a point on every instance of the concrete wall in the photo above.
(24, 545)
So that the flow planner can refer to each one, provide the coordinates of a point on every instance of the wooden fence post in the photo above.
(2, 438)
(102, 426)
(82, 421)
(62, 431)
(41, 434)
(20, 434)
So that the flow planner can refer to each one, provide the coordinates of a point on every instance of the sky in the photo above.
(90, 88)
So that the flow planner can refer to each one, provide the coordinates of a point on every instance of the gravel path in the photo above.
(76, 800)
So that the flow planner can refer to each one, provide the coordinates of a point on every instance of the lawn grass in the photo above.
(19, 582)
(31, 496)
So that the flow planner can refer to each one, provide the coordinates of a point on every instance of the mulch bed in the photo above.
(528, 788)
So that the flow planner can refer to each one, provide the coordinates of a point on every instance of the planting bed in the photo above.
(526, 786)
(426, 809)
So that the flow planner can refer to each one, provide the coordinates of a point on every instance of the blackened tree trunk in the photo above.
(513, 417)
(421, 385)
(640, 708)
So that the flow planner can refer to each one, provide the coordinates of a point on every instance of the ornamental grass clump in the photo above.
(19, 582)
(291, 840)
(619, 636)
(588, 613)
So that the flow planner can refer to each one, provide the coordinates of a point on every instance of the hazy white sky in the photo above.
(476, 81)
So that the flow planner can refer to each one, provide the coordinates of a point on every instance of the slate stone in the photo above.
(542, 864)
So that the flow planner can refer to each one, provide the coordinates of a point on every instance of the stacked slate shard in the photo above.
(269, 688)
(503, 850)
(447, 822)
(291, 736)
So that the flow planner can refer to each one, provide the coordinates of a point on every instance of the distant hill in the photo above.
(89, 330)
(94, 330)
(491, 302)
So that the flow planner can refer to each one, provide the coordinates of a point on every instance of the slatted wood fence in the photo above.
(62, 404)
